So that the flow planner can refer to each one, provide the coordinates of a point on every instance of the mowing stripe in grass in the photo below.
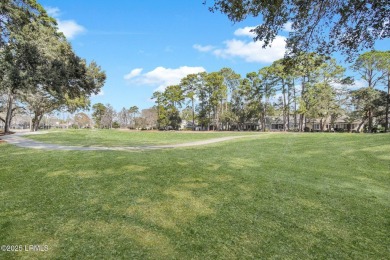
(294, 196)
(20, 141)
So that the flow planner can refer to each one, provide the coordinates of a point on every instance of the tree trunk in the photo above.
(193, 115)
(360, 125)
(263, 123)
(288, 106)
(295, 104)
(302, 119)
(35, 124)
(323, 123)
(158, 115)
(370, 120)
(284, 107)
(8, 117)
(216, 118)
(387, 103)
(208, 122)
(264, 112)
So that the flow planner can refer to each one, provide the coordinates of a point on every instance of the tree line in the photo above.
(297, 89)
(105, 116)
(39, 71)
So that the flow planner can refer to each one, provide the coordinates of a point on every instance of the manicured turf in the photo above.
(112, 138)
(294, 196)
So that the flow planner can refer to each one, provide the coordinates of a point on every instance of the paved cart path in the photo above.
(18, 140)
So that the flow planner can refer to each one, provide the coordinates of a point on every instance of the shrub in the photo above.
(378, 129)
(339, 130)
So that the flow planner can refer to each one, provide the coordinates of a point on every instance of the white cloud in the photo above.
(246, 31)
(360, 83)
(287, 27)
(201, 48)
(53, 11)
(253, 51)
(247, 49)
(133, 73)
(69, 28)
(162, 77)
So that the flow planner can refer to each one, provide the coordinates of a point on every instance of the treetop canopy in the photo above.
(324, 26)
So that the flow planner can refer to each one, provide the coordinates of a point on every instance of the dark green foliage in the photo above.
(369, 103)
(168, 104)
(38, 66)
(98, 111)
(323, 26)
(225, 101)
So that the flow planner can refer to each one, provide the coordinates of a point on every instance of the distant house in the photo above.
(340, 124)
(275, 123)
(186, 125)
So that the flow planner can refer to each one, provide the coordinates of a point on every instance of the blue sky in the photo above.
(145, 45)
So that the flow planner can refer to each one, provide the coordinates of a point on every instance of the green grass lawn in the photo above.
(295, 196)
(112, 138)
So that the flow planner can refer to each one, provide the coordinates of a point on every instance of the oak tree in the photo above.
(323, 26)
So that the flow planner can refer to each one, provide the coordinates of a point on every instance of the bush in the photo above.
(378, 129)
(339, 130)
(115, 125)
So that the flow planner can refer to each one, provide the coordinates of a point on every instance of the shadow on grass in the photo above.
(300, 197)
